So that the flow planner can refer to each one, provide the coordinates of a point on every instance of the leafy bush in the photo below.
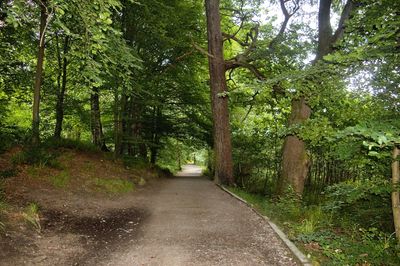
(38, 155)
(11, 135)
(52, 143)
(8, 172)
(366, 202)
(313, 227)
(135, 162)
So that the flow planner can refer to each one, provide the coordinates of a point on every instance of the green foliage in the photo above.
(39, 156)
(78, 145)
(174, 154)
(60, 180)
(135, 162)
(365, 202)
(9, 172)
(329, 243)
(31, 216)
(10, 136)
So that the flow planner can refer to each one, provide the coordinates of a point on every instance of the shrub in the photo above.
(11, 135)
(366, 202)
(38, 155)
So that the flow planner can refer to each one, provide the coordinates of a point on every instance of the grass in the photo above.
(328, 239)
(9, 172)
(31, 216)
(3, 208)
(60, 180)
(35, 171)
(113, 186)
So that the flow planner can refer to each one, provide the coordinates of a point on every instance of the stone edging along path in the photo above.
(299, 255)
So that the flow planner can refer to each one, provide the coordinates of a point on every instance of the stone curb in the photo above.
(299, 255)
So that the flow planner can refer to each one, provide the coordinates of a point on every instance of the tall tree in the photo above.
(219, 97)
(295, 161)
(61, 84)
(39, 72)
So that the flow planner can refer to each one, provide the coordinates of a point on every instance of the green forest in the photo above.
(292, 104)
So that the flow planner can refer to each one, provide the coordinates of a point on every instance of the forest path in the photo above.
(192, 222)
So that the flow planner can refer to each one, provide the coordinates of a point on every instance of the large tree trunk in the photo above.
(61, 91)
(95, 123)
(295, 163)
(219, 98)
(395, 193)
(38, 76)
(295, 158)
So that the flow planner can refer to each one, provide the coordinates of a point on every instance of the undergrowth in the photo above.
(113, 186)
(60, 180)
(330, 236)
(31, 216)
(3, 207)
(47, 153)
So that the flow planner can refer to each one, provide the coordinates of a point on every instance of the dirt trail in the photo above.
(193, 222)
(184, 220)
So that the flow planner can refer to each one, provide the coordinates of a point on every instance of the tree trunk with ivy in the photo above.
(219, 97)
(295, 162)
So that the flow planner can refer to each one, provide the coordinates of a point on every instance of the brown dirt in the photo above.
(185, 220)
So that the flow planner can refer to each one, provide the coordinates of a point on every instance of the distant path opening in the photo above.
(190, 170)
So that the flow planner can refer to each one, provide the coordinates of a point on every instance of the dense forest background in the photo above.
(311, 100)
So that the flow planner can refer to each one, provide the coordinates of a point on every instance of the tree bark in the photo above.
(96, 126)
(295, 163)
(157, 116)
(295, 158)
(38, 76)
(219, 97)
(118, 129)
(61, 92)
(395, 192)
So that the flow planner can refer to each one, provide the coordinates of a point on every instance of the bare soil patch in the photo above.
(80, 222)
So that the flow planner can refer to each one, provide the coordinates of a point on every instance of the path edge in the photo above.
(292, 247)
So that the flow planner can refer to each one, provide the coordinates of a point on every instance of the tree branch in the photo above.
(285, 22)
(348, 8)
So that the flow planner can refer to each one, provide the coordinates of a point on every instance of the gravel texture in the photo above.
(193, 222)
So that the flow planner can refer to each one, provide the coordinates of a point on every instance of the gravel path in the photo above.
(192, 222)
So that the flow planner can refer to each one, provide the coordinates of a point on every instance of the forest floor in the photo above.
(182, 220)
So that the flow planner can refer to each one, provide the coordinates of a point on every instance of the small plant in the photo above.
(31, 216)
(60, 180)
(35, 171)
(70, 144)
(307, 226)
(10, 172)
(39, 155)
(114, 186)
(3, 207)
